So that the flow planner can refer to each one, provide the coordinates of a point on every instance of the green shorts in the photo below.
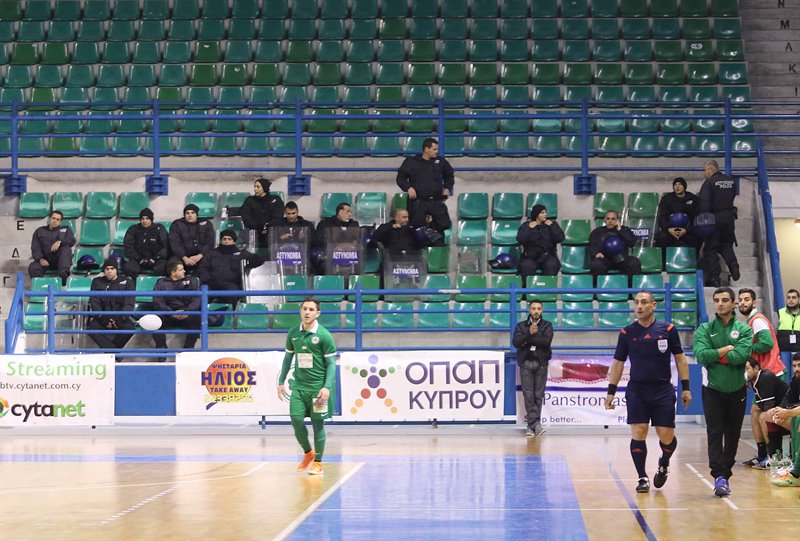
(301, 404)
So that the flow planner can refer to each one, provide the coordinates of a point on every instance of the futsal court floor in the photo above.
(479, 482)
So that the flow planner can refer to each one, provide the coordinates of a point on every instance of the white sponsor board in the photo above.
(228, 383)
(422, 385)
(56, 390)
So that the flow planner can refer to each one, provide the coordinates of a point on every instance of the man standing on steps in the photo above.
(650, 396)
(722, 346)
(716, 197)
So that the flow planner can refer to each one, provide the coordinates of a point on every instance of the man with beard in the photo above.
(397, 236)
(176, 280)
(191, 240)
(765, 342)
(789, 326)
(768, 391)
(299, 226)
(787, 416)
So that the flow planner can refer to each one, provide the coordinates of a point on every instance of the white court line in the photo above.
(313, 507)
(138, 485)
(136, 506)
(726, 499)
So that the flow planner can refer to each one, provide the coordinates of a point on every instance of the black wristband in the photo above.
(685, 385)
(612, 389)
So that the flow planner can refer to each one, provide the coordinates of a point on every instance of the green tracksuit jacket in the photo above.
(725, 374)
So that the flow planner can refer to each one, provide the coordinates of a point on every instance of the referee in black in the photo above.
(429, 181)
(650, 396)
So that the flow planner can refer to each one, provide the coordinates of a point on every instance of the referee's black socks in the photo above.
(639, 456)
(666, 451)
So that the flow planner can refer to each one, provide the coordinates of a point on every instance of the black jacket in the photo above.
(427, 177)
(298, 226)
(187, 239)
(717, 195)
(396, 240)
(671, 203)
(190, 283)
(540, 240)
(333, 221)
(44, 237)
(792, 397)
(109, 303)
(258, 212)
(599, 235)
(146, 242)
(769, 390)
(225, 265)
(524, 341)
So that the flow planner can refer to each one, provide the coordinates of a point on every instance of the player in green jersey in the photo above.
(311, 347)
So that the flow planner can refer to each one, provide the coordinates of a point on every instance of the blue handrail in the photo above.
(772, 242)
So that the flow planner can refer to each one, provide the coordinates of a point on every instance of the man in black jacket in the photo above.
(600, 258)
(146, 245)
(716, 197)
(342, 219)
(297, 226)
(111, 280)
(51, 247)
(670, 210)
(429, 181)
(176, 280)
(397, 236)
(225, 264)
(532, 338)
(768, 393)
(539, 238)
(190, 239)
(260, 209)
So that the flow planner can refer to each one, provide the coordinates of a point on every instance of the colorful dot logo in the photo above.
(373, 389)
(3, 407)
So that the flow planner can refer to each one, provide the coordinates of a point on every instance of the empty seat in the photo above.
(69, 203)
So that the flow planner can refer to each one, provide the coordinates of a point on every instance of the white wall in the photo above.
(788, 235)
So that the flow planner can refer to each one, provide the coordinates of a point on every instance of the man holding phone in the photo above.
(532, 338)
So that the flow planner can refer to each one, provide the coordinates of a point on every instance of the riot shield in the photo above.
(344, 250)
(289, 245)
(267, 277)
(404, 270)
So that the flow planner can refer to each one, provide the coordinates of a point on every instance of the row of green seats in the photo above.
(97, 205)
(543, 50)
(122, 33)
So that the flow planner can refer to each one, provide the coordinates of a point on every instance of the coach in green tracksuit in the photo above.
(722, 346)
(314, 352)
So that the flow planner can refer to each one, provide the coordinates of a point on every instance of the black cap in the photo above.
(191, 206)
(146, 212)
(110, 262)
(536, 210)
(228, 233)
(680, 180)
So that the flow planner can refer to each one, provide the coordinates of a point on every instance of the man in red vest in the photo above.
(765, 341)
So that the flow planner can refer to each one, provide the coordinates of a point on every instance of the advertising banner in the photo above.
(422, 385)
(56, 390)
(228, 383)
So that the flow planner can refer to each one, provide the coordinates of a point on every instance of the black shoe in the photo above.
(660, 477)
(644, 485)
(734, 268)
(713, 282)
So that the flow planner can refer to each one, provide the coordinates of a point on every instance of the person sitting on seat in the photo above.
(676, 213)
(225, 265)
(298, 226)
(539, 238)
(609, 245)
(398, 236)
(260, 209)
(51, 247)
(176, 280)
(111, 280)
(146, 245)
(342, 219)
(191, 240)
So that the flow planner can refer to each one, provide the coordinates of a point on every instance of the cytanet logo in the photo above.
(26, 411)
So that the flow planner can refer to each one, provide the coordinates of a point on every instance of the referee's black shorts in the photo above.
(652, 403)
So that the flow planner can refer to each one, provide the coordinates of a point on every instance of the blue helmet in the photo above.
(613, 246)
(704, 224)
(502, 261)
(87, 262)
(678, 219)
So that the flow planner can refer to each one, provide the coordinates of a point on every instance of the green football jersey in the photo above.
(312, 351)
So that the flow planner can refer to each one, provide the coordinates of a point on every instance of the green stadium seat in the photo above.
(604, 8)
(331, 29)
(95, 233)
(575, 29)
(517, 50)
(701, 74)
(724, 8)
(504, 232)
(638, 51)
(295, 282)
(151, 31)
(391, 50)
(85, 53)
(434, 315)
(635, 29)
(650, 257)
(549, 200)
(367, 282)
(670, 74)
(508, 205)
(514, 29)
(470, 281)
(664, 8)
(392, 28)
(330, 283)
(205, 201)
(538, 281)
(454, 29)
(608, 319)
(727, 28)
(681, 259)
(607, 51)
(605, 29)
(467, 315)
(699, 50)
(574, 260)
(361, 51)
(245, 320)
(683, 281)
(577, 281)
(649, 282)
(639, 74)
(482, 50)
(439, 259)
(642, 204)
(330, 51)
(397, 315)
(330, 200)
(607, 74)
(576, 232)
(368, 320)
(577, 315)
(437, 281)
(577, 51)
(684, 319)
(730, 50)
(731, 73)
(544, 8)
(472, 232)
(120, 228)
(101, 205)
(34, 205)
(612, 281)
(211, 30)
(633, 8)
(545, 29)
(483, 29)
(545, 74)
(69, 203)
(268, 51)
(667, 29)
(473, 205)
(131, 203)
(370, 207)
(30, 31)
(55, 53)
(605, 201)
(285, 315)
(115, 53)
